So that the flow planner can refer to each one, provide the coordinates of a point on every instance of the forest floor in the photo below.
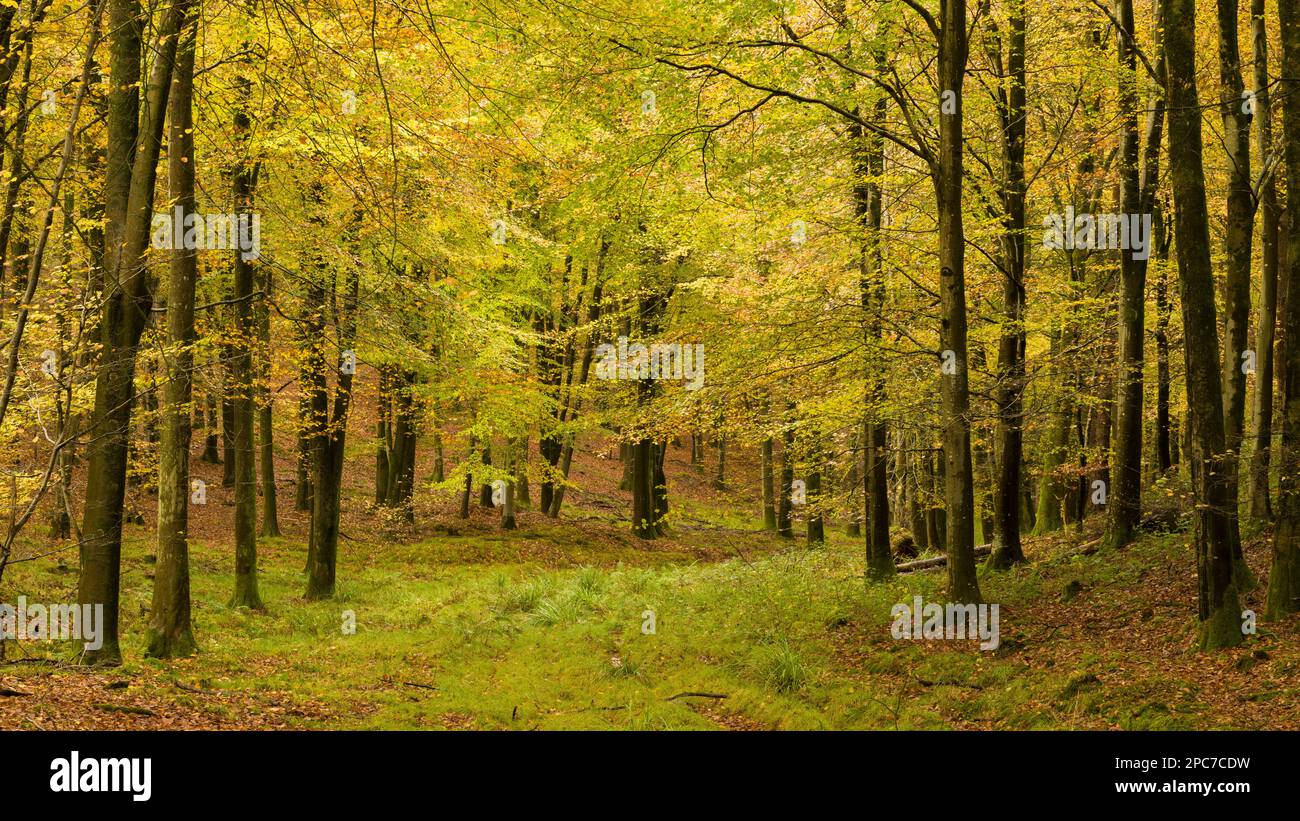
(462, 626)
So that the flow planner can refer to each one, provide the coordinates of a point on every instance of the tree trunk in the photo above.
(720, 478)
(211, 454)
(1137, 194)
(769, 486)
(508, 507)
(327, 484)
(131, 171)
(241, 372)
(1218, 609)
(1236, 283)
(1166, 445)
(170, 630)
(643, 518)
(383, 441)
(266, 414)
(1283, 596)
(1264, 336)
(485, 487)
(959, 497)
(785, 504)
(469, 482)
(816, 525)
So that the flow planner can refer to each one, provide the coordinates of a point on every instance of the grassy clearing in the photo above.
(791, 636)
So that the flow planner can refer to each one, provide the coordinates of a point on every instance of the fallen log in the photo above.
(938, 561)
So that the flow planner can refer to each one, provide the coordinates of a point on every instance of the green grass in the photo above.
(795, 640)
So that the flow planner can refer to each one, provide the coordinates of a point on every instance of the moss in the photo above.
(1223, 627)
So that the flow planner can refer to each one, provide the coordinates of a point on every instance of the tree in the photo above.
(1218, 606)
(134, 141)
(1284, 577)
(170, 630)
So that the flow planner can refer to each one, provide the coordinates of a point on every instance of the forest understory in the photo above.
(462, 626)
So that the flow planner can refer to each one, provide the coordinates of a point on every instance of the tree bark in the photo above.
(1236, 282)
(1137, 195)
(959, 498)
(131, 169)
(785, 504)
(266, 413)
(1009, 394)
(1283, 597)
(1260, 507)
(1218, 605)
(242, 399)
(170, 630)
(327, 484)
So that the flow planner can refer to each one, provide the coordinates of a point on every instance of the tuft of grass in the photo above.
(620, 667)
(561, 610)
(784, 667)
(524, 598)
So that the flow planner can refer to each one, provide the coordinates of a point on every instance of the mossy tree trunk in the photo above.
(170, 628)
(1219, 609)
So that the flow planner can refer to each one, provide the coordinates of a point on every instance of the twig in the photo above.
(689, 694)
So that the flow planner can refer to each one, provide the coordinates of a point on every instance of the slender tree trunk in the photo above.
(769, 486)
(439, 469)
(816, 525)
(266, 413)
(1236, 282)
(211, 454)
(485, 487)
(1136, 197)
(1005, 538)
(959, 497)
(867, 149)
(328, 480)
(625, 456)
(660, 488)
(720, 478)
(784, 512)
(1283, 596)
(918, 504)
(242, 398)
(508, 507)
(1166, 444)
(469, 482)
(1260, 507)
(1219, 609)
(383, 444)
(170, 630)
(313, 403)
